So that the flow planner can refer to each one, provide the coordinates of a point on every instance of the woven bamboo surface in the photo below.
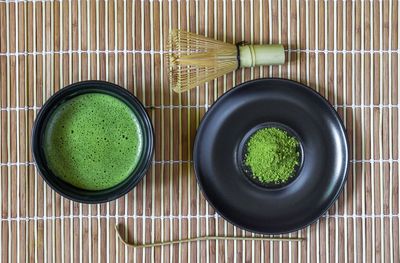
(346, 50)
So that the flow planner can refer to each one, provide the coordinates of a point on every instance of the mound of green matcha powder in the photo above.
(272, 155)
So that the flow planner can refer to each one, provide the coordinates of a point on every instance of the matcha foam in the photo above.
(93, 141)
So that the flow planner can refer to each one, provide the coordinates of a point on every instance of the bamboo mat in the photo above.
(346, 50)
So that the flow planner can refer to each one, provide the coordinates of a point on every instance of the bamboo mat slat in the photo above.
(346, 50)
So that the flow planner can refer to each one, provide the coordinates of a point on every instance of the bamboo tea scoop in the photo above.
(203, 238)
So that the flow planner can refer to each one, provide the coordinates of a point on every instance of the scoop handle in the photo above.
(258, 55)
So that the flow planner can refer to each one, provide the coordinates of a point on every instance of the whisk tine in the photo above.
(190, 41)
(195, 59)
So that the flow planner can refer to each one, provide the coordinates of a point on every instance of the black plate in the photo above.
(291, 106)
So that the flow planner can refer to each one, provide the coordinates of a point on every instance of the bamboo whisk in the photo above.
(195, 59)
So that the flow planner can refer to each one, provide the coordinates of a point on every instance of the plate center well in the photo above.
(242, 151)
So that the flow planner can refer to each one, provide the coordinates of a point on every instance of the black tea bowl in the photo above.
(72, 192)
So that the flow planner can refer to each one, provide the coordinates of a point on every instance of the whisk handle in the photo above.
(257, 55)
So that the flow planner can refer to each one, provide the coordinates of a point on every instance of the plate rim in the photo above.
(332, 110)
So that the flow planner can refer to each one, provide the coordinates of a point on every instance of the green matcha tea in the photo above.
(93, 141)
(272, 155)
